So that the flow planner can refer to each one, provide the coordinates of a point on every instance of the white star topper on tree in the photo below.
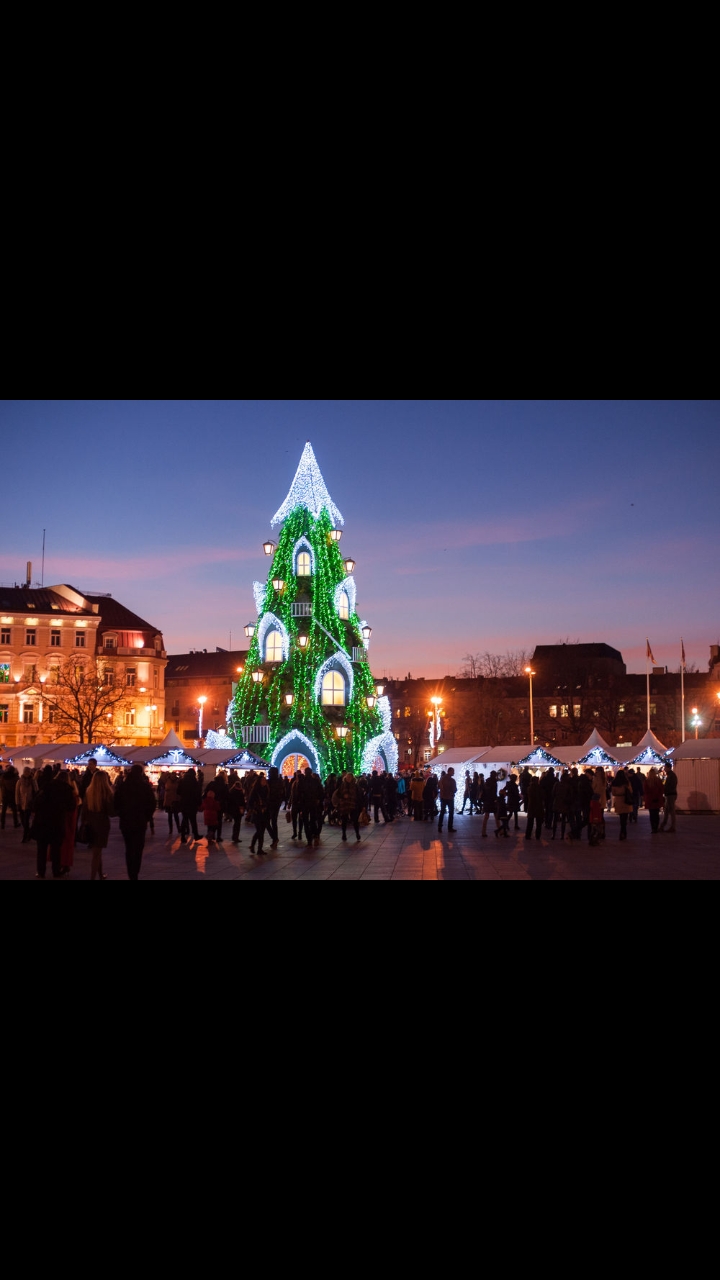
(309, 490)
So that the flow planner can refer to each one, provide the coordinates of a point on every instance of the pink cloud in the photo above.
(79, 570)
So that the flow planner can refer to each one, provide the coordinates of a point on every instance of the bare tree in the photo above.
(82, 698)
(495, 666)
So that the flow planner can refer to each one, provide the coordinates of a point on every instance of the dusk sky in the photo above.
(476, 524)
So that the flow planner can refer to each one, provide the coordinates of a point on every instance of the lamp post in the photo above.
(269, 548)
(202, 702)
(529, 672)
(436, 721)
(696, 722)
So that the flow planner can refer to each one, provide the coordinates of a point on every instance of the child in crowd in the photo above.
(597, 822)
(502, 815)
(211, 813)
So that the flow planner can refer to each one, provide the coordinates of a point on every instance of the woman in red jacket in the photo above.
(654, 794)
(211, 812)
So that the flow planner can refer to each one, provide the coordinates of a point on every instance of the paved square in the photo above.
(406, 850)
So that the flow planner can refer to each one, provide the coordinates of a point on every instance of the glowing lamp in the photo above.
(335, 535)
(379, 689)
(143, 689)
(279, 584)
(43, 679)
(289, 698)
(202, 701)
(240, 670)
(366, 633)
(436, 701)
(371, 701)
(342, 731)
(250, 630)
(17, 679)
(258, 677)
(269, 548)
(303, 641)
(349, 566)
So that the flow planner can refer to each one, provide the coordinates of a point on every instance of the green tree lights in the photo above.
(306, 608)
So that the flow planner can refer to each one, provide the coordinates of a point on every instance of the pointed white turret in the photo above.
(308, 490)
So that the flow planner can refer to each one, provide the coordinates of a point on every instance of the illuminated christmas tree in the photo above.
(307, 692)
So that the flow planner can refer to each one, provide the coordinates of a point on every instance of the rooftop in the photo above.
(201, 666)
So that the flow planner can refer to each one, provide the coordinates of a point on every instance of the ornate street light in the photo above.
(269, 548)
(202, 702)
(303, 641)
(342, 731)
(289, 698)
(349, 566)
(335, 535)
(258, 677)
(366, 634)
(379, 689)
(279, 584)
(371, 701)
(250, 630)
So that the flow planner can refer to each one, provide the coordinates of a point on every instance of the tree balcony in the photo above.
(302, 610)
(256, 733)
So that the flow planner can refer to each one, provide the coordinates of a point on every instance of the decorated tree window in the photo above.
(304, 565)
(344, 606)
(333, 689)
(274, 647)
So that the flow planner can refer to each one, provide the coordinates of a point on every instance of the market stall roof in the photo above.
(601, 758)
(703, 749)
(45, 752)
(539, 758)
(178, 758)
(649, 751)
(242, 760)
(459, 755)
(507, 755)
(103, 756)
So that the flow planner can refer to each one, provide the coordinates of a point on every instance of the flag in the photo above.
(684, 664)
(650, 654)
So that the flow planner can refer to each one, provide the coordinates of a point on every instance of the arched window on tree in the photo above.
(274, 647)
(333, 689)
(304, 565)
(344, 606)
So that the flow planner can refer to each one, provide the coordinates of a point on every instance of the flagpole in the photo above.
(647, 664)
(683, 685)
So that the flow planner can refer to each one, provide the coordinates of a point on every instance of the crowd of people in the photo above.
(58, 809)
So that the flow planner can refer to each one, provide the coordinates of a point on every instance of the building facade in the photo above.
(46, 635)
(198, 675)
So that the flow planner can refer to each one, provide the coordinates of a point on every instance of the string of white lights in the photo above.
(308, 490)
(259, 590)
(295, 736)
(350, 589)
(269, 623)
(302, 544)
(337, 660)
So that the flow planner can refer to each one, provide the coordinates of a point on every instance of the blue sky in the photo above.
(476, 524)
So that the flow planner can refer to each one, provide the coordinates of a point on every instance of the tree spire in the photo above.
(308, 490)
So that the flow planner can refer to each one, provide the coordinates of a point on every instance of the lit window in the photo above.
(54, 675)
(4, 636)
(564, 712)
(27, 715)
(553, 713)
(129, 719)
(55, 639)
(79, 639)
(344, 606)
(30, 639)
(408, 712)
(274, 647)
(621, 709)
(131, 677)
(4, 672)
(577, 710)
(109, 678)
(333, 690)
(4, 713)
(304, 565)
(110, 642)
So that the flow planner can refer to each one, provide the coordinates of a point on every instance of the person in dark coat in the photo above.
(8, 783)
(654, 799)
(297, 804)
(535, 806)
(135, 806)
(390, 792)
(490, 791)
(236, 808)
(349, 805)
(525, 780)
(87, 778)
(638, 790)
(314, 796)
(276, 788)
(513, 799)
(547, 782)
(258, 810)
(190, 795)
(585, 799)
(220, 787)
(54, 800)
(377, 796)
(562, 796)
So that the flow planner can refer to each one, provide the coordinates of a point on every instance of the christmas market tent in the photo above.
(650, 751)
(103, 756)
(147, 755)
(697, 765)
(243, 761)
(483, 760)
(176, 758)
(539, 758)
(43, 753)
(597, 752)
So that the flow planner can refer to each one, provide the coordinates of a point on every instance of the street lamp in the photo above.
(250, 630)
(349, 565)
(342, 731)
(379, 689)
(279, 584)
(436, 726)
(258, 677)
(529, 672)
(269, 548)
(371, 701)
(696, 723)
(366, 633)
(303, 641)
(202, 702)
(335, 535)
(289, 698)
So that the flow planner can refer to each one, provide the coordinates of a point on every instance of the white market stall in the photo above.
(481, 760)
(104, 758)
(697, 765)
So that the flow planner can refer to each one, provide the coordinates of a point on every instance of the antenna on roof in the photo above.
(42, 582)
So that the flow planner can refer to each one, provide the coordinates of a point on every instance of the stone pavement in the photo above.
(407, 851)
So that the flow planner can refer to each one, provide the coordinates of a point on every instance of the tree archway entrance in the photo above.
(294, 764)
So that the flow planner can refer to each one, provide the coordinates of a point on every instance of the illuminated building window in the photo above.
(55, 639)
(344, 606)
(129, 719)
(408, 712)
(621, 709)
(304, 565)
(4, 636)
(553, 713)
(131, 677)
(4, 713)
(109, 678)
(4, 672)
(577, 710)
(110, 642)
(30, 639)
(28, 714)
(333, 689)
(79, 639)
(564, 712)
(274, 647)
(54, 675)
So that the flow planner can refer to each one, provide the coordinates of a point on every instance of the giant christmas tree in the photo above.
(307, 693)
